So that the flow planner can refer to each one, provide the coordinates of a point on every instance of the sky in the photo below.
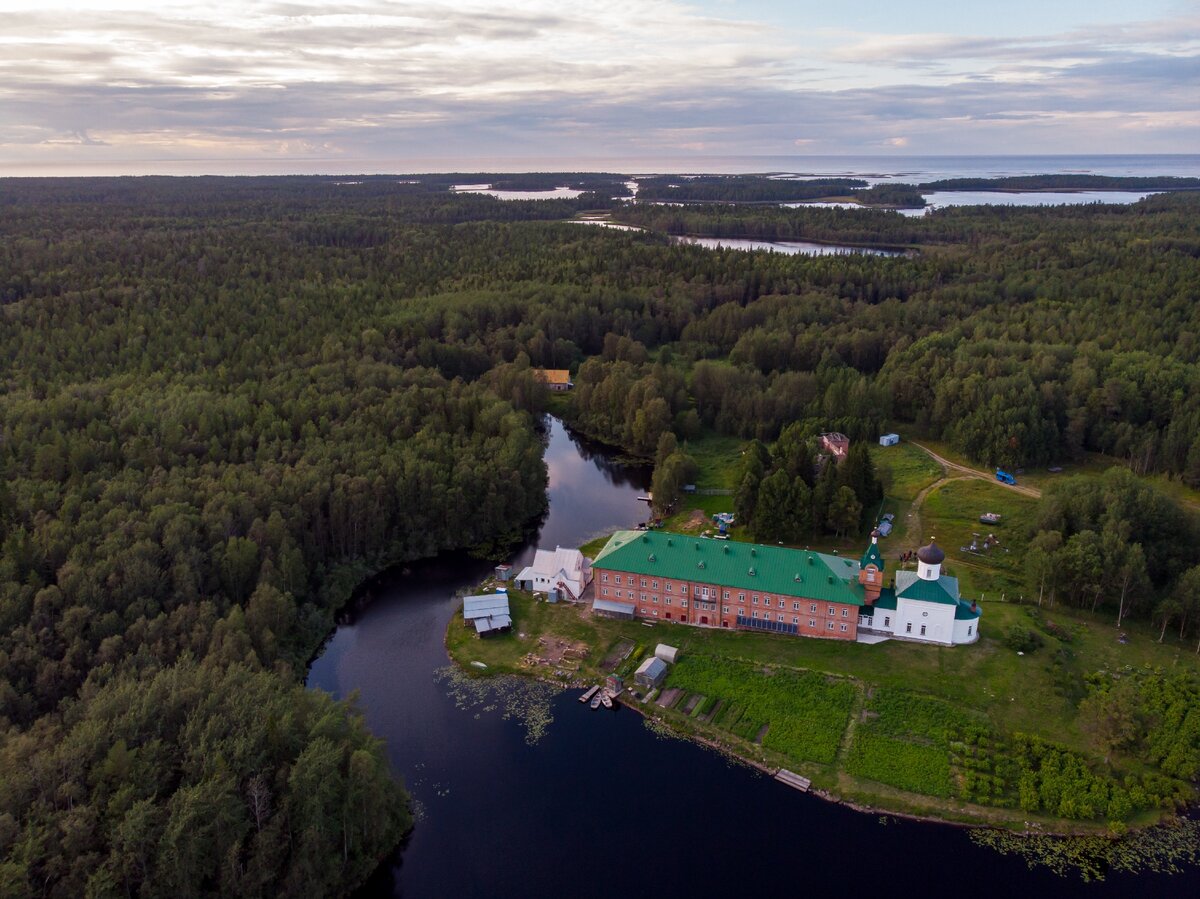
(298, 86)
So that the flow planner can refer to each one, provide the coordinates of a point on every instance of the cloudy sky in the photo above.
(221, 86)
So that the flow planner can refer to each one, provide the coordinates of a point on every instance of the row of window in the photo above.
(621, 594)
(812, 622)
(632, 582)
(887, 622)
(766, 616)
(704, 592)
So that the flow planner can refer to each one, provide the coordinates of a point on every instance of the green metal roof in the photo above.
(964, 611)
(887, 599)
(765, 569)
(872, 557)
(944, 590)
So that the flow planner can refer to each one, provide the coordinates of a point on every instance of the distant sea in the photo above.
(895, 168)
(872, 168)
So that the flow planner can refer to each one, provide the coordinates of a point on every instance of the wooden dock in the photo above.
(795, 781)
(589, 694)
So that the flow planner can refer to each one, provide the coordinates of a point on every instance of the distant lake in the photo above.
(606, 224)
(941, 198)
(822, 205)
(788, 247)
(558, 193)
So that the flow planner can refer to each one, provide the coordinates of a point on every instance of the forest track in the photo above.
(970, 472)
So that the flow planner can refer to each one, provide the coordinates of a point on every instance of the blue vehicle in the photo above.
(1004, 477)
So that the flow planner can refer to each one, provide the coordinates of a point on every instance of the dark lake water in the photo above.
(600, 806)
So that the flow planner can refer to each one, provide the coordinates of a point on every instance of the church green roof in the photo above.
(725, 563)
(887, 599)
(944, 590)
(964, 612)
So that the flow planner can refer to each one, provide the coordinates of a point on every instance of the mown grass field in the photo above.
(951, 513)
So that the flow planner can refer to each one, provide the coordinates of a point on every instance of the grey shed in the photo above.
(651, 673)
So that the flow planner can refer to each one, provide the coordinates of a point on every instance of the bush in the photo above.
(1020, 639)
(898, 763)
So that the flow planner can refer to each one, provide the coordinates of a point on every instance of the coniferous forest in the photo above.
(224, 401)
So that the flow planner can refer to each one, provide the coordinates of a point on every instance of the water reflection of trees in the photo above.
(617, 473)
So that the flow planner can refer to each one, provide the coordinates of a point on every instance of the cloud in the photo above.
(75, 139)
(379, 81)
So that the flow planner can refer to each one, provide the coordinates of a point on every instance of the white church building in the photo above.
(924, 605)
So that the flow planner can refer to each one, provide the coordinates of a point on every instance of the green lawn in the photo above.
(904, 740)
(804, 713)
(719, 459)
(951, 514)
(904, 469)
(915, 767)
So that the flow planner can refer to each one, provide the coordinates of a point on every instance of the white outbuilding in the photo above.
(666, 653)
(566, 570)
(889, 439)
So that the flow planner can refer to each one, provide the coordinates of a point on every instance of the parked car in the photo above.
(885, 524)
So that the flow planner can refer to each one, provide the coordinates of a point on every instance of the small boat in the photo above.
(596, 701)
(606, 700)
(989, 518)
(589, 694)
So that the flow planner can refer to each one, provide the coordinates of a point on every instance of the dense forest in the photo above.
(742, 188)
(224, 400)
(1066, 182)
(770, 189)
(204, 435)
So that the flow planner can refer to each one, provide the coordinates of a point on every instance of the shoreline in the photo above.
(1019, 825)
(638, 708)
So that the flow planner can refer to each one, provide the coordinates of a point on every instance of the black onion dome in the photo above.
(875, 533)
(931, 554)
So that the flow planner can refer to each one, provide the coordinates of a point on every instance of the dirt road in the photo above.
(976, 473)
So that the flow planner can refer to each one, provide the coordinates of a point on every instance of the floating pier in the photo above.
(795, 781)
(589, 694)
